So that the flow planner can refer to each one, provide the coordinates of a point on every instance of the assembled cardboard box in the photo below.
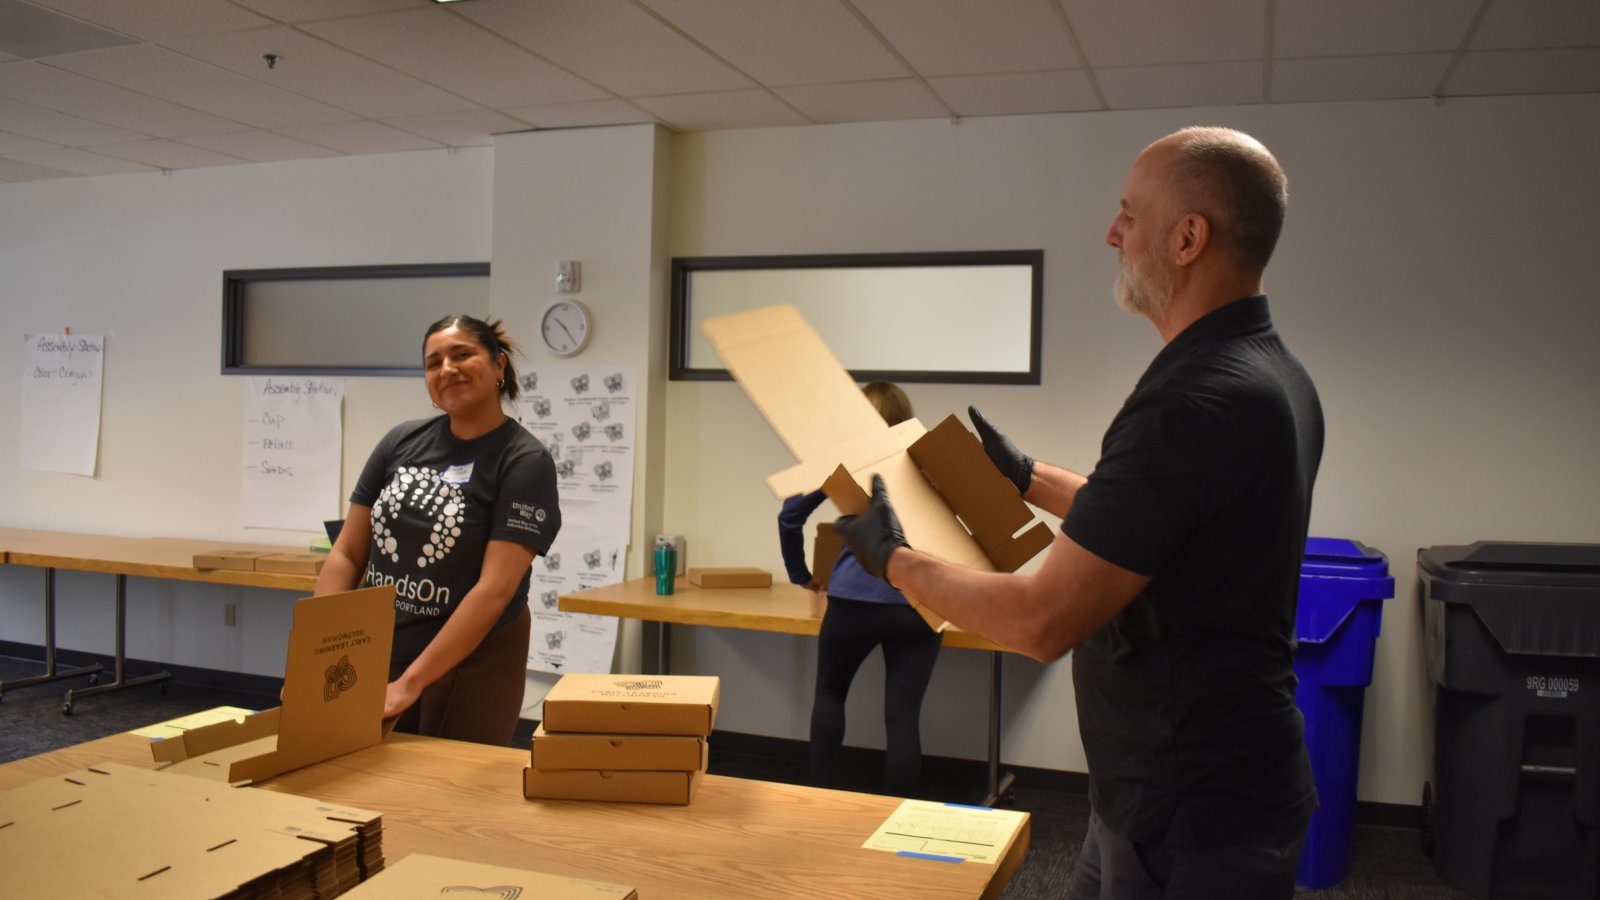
(632, 704)
(334, 682)
(674, 788)
(423, 877)
(612, 752)
(731, 577)
(951, 500)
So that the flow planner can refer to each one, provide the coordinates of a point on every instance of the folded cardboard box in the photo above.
(292, 563)
(613, 752)
(335, 677)
(423, 877)
(730, 577)
(235, 560)
(676, 788)
(632, 704)
(951, 500)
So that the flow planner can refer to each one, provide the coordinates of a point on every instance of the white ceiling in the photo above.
(92, 87)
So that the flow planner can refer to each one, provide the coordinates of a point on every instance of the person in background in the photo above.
(452, 511)
(863, 613)
(1174, 579)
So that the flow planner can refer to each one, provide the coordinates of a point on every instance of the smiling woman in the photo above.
(452, 511)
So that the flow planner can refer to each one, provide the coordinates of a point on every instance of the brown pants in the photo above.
(481, 699)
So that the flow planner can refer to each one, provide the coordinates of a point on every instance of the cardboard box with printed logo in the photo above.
(335, 678)
(632, 704)
(420, 876)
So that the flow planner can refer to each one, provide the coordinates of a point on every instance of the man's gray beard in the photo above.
(1141, 292)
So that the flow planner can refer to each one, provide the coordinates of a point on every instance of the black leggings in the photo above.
(850, 629)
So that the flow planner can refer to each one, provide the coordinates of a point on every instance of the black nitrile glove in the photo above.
(875, 534)
(1011, 462)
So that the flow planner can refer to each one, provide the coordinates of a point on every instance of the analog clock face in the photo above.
(565, 328)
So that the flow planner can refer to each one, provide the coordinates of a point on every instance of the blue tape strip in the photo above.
(933, 856)
(970, 806)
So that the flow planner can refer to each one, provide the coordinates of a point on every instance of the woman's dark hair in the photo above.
(489, 335)
(889, 400)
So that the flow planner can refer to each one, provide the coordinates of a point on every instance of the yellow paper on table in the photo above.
(948, 832)
(175, 727)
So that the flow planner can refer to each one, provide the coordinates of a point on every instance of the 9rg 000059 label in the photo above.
(1555, 686)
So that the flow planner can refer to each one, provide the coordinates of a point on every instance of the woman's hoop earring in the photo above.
(501, 383)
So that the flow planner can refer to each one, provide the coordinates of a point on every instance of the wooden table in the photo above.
(150, 557)
(738, 838)
(782, 608)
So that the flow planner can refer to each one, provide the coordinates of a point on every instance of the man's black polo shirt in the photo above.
(1186, 698)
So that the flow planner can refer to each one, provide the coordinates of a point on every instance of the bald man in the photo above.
(1175, 575)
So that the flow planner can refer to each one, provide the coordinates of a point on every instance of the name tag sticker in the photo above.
(457, 474)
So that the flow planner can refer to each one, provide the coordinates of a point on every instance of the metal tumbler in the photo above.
(666, 567)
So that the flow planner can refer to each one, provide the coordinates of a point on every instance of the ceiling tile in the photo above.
(1557, 71)
(463, 129)
(959, 37)
(1157, 32)
(82, 162)
(1358, 77)
(312, 10)
(162, 73)
(361, 137)
(14, 170)
(1204, 84)
(1369, 27)
(727, 109)
(167, 155)
(439, 47)
(867, 101)
(87, 98)
(586, 114)
(316, 69)
(16, 143)
(1527, 24)
(1017, 94)
(153, 20)
(780, 42)
(260, 146)
(611, 43)
(58, 128)
(29, 32)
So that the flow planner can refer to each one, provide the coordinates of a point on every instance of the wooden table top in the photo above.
(784, 608)
(149, 557)
(738, 838)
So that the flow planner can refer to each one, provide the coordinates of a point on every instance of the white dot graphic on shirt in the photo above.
(425, 492)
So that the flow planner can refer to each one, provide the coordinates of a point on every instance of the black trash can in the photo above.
(1513, 651)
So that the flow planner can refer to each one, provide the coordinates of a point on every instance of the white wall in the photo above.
(1429, 278)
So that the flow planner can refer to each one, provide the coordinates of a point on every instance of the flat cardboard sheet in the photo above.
(233, 560)
(335, 678)
(423, 877)
(618, 752)
(150, 834)
(306, 563)
(730, 577)
(632, 704)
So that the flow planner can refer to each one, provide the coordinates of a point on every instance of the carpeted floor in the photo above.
(1386, 863)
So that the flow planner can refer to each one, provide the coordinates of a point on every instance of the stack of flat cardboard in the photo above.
(423, 877)
(159, 835)
(288, 563)
(633, 738)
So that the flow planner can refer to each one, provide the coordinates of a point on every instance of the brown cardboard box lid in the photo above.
(625, 752)
(677, 788)
(235, 560)
(632, 704)
(335, 678)
(420, 876)
(730, 577)
(292, 563)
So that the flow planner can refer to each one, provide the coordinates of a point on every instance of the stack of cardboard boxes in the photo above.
(634, 738)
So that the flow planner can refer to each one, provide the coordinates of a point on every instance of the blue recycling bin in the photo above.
(1343, 585)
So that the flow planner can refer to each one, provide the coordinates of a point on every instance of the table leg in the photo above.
(122, 658)
(999, 785)
(50, 671)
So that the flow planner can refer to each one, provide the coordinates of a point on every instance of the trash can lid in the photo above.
(1343, 558)
(1506, 562)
